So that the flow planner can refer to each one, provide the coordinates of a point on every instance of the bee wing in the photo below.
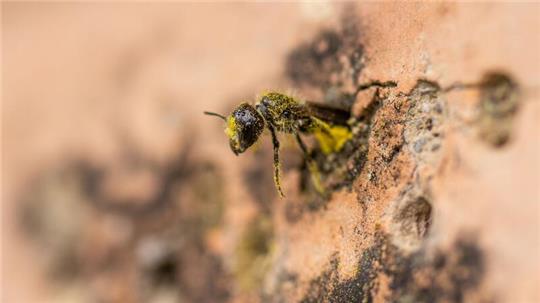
(328, 113)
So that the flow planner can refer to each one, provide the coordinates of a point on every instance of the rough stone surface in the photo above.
(117, 189)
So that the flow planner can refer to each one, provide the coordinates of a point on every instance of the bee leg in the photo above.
(312, 166)
(303, 147)
(275, 143)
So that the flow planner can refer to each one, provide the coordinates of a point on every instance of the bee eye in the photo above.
(286, 113)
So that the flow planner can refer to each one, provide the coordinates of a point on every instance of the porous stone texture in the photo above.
(117, 189)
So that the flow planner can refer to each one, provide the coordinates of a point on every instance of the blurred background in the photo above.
(116, 188)
(113, 178)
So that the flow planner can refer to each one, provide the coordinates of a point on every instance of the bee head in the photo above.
(244, 126)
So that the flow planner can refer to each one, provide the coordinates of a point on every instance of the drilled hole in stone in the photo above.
(499, 103)
(412, 222)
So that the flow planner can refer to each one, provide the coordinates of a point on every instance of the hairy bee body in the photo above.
(285, 113)
(282, 113)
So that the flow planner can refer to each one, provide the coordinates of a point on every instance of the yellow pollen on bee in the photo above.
(331, 138)
(230, 131)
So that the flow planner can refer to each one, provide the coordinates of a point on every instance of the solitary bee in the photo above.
(282, 113)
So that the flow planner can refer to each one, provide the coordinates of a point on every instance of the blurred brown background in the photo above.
(117, 189)
(120, 85)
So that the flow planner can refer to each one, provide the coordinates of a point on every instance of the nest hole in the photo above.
(412, 222)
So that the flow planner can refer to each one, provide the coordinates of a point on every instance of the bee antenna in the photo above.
(216, 114)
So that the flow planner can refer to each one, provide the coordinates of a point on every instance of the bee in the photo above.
(281, 113)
